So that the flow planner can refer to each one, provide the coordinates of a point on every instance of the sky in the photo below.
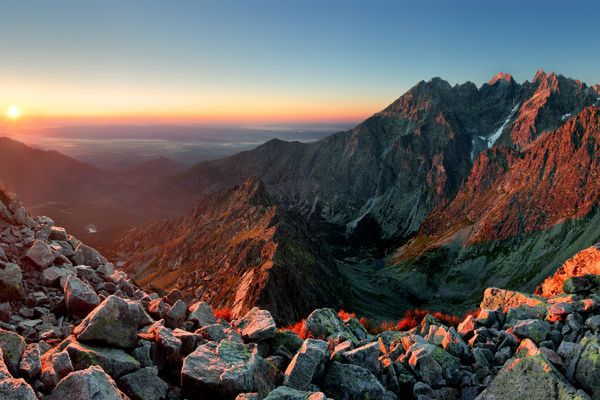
(272, 61)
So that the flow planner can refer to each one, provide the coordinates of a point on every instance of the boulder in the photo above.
(587, 373)
(287, 393)
(144, 384)
(55, 366)
(115, 362)
(533, 329)
(219, 370)
(515, 305)
(11, 282)
(175, 317)
(257, 325)
(113, 322)
(80, 299)
(58, 233)
(51, 276)
(91, 257)
(201, 315)
(351, 382)
(13, 389)
(366, 356)
(13, 347)
(529, 375)
(31, 364)
(41, 254)
(324, 322)
(89, 384)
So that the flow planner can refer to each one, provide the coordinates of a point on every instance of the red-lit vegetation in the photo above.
(223, 313)
(411, 319)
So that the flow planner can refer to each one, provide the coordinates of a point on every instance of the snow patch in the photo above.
(496, 135)
(365, 209)
(565, 117)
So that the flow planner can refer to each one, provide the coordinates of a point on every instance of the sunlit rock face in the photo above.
(236, 249)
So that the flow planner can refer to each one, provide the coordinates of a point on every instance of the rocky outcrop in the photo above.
(237, 249)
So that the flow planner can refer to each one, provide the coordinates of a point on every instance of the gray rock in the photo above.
(91, 257)
(324, 322)
(11, 282)
(175, 317)
(41, 254)
(13, 347)
(144, 384)
(587, 373)
(31, 363)
(366, 356)
(351, 382)
(57, 233)
(115, 362)
(79, 297)
(201, 315)
(55, 367)
(257, 325)
(16, 389)
(287, 393)
(593, 323)
(52, 276)
(89, 384)
(113, 322)
(533, 329)
(221, 370)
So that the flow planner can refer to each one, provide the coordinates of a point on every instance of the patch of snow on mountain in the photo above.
(565, 117)
(494, 137)
(365, 209)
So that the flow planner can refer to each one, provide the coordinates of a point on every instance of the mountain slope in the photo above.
(236, 249)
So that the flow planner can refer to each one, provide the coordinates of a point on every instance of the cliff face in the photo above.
(236, 249)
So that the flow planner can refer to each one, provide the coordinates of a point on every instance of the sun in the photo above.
(13, 112)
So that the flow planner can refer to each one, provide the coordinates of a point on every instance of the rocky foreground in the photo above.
(72, 327)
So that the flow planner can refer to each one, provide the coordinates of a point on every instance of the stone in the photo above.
(351, 382)
(366, 356)
(115, 362)
(91, 257)
(80, 299)
(219, 370)
(587, 373)
(214, 332)
(529, 375)
(11, 282)
(13, 346)
(324, 322)
(31, 363)
(593, 323)
(466, 328)
(112, 322)
(533, 329)
(52, 276)
(257, 325)
(144, 384)
(41, 254)
(16, 389)
(201, 315)
(157, 309)
(55, 367)
(175, 317)
(57, 233)
(88, 384)
(287, 393)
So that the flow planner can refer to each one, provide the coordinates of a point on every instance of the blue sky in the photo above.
(262, 60)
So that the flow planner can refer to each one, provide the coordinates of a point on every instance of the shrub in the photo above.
(223, 313)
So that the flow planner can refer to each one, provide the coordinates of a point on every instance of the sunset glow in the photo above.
(13, 112)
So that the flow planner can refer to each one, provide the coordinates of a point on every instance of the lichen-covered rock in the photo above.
(88, 384)
(175, 317)
(115, 362)
(529, 375)
(515, 305)
(533, 329)
(144, 384)
(13, 389)
(55, 366)
(201, 315)
(41, 254)
(31, 364)
(324, 322)
(257, 325)
(13, 346)
(366, 356)
(11, 282)
(80, 299)
(113, 322)
(351, 382)
(219, 370)
(587, 373)
(287, 393)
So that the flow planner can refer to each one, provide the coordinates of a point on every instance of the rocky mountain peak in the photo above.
(501, 77)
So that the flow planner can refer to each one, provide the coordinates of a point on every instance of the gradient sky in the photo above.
(273, 61)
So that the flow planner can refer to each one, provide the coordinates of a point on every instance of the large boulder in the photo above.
(529, 375)
(587, 374)
(89, 384)
(515, 305)
(533, 329)
(91, 256)
(219, 370)
(31, 364)
(257, 325)
(144, 384)
(114, 362)
(287, 393)
(13, 347)
(306, 364)
(351, 382)
(324, 322)
(13, 389)
(55, 366)
(113, 322)
(175, 317)
(11, 282)
(366, 356)
(79, 297)
(41, 254)
(201, 315)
